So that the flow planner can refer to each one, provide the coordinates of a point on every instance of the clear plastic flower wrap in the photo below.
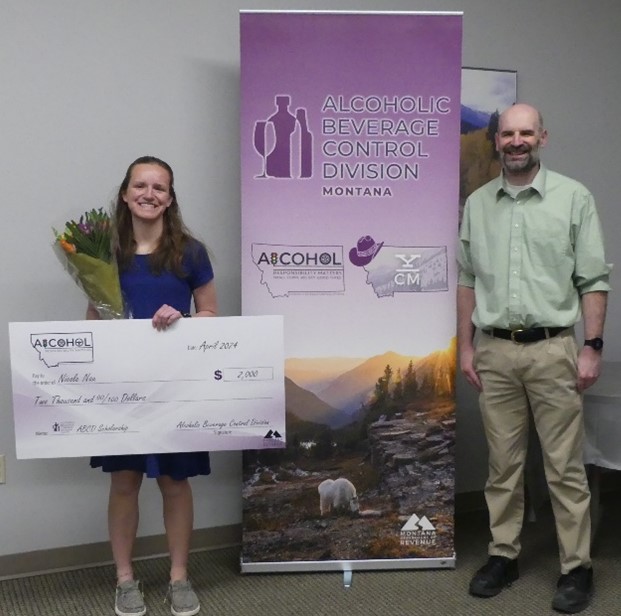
(84, 247)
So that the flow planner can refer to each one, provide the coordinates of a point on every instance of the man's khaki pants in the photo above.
(540, 376)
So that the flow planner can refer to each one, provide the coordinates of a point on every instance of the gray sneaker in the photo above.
(183, 600)
(129, 600)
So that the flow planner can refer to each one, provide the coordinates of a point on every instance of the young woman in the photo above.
(162, 270)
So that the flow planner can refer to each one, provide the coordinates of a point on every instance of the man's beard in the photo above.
(523, 166)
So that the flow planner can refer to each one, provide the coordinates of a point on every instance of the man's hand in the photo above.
(589, 366)
(466, 361)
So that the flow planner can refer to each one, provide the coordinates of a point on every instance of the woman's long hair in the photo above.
(175, 235)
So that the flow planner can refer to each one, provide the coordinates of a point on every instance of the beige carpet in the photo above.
(225, 592)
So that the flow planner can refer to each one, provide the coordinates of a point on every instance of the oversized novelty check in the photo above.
(83, 388)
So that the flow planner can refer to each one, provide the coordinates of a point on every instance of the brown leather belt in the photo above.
(523, 336)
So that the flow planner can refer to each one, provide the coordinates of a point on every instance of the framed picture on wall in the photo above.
(485, 94)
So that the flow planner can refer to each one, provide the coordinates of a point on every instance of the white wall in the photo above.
(86, 86)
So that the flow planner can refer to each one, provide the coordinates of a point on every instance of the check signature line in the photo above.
(134, 403)
(161, 381)
(213, 399)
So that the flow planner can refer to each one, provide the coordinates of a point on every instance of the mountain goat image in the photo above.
(338, 495)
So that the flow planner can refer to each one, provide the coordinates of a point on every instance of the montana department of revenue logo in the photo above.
(418, 531)
(273, 439)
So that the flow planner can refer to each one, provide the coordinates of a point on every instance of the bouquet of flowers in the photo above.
(85, 249)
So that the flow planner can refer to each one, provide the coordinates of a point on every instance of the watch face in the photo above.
(595, 343)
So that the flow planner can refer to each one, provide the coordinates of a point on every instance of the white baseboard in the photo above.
(98, 554)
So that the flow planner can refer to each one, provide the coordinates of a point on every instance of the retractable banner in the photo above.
(350, 128)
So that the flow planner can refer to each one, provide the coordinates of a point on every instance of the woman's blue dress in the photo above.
(144, 292)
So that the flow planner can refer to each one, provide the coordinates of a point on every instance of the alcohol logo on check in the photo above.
(55, 348)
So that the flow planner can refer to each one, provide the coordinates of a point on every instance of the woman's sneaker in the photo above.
(129, 600)
(183, 600)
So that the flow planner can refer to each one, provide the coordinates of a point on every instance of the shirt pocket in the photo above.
(548, 249)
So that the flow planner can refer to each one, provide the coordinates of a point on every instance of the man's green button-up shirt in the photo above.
(530, 258)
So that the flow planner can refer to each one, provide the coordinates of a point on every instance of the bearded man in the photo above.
(532, 264)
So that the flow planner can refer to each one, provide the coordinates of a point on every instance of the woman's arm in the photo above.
(205, 301)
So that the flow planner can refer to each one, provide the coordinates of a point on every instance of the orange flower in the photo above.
(67, 247)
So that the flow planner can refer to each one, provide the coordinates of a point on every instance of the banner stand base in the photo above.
(347, 578)
(346, 566)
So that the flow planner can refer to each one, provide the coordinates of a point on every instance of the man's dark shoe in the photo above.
(574, 591)
(491, 578)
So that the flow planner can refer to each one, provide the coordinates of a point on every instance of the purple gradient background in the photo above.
(310, 56)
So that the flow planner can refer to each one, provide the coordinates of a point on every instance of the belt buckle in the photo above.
(513, 332)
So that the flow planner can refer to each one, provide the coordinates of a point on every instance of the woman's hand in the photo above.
(165, 316)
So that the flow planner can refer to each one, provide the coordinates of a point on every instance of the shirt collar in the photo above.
(538, 184)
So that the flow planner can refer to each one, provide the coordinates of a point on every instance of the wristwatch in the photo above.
(595, 343)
